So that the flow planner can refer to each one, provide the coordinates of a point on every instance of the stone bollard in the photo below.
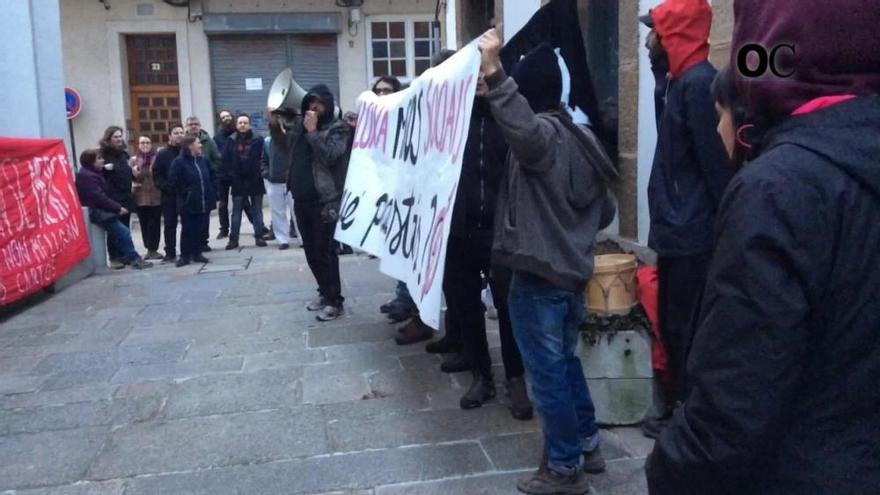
(619, 374)
(98, 241)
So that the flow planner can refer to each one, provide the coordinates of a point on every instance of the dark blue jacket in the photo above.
(193, 180)
(691, 168)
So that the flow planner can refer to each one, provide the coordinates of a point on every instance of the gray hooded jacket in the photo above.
(550, 202)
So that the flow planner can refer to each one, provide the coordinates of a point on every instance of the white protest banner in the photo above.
(403, 176)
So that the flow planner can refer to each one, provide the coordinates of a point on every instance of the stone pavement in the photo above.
(215, 380)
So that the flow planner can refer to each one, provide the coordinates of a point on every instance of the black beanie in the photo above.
(539, 78)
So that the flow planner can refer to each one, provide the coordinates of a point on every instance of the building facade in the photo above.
(146, 64)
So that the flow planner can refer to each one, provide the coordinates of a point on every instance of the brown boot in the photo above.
(413, 332)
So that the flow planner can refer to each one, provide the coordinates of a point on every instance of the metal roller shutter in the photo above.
(235, 59)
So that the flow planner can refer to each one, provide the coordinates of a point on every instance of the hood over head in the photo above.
(539, 79)
(323, 94)
(684, 27)
(836, 51)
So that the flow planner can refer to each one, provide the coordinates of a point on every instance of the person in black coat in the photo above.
(783, 374)
(162, 175)
(119, 176)
(242, 160)
(193, 180)
(688, 178)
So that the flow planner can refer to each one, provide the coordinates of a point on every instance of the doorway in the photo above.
(154, 92)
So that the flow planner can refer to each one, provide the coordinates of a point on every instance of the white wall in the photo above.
(517, 13)
(647, 125)
(32, 97)
(94, 52)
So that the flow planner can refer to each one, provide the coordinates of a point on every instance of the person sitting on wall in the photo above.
(104, 211)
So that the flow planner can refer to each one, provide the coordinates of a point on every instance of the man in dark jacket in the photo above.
(690, 171)
(548, 213)
(119, 176)
(319, 162)
(241, 160)
(162, 176)
(783, 375)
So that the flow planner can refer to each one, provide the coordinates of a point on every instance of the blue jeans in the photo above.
(254, 206)
(546, 321)
(119, 237)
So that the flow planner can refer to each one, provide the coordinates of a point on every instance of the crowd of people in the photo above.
(762, 198)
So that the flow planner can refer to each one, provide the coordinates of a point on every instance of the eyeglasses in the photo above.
(383, 91)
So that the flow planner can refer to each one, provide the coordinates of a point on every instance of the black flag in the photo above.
(557, 24)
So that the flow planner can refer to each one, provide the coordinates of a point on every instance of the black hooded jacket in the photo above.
(482, 168)
(330, 151)
(162, 172)
(784, 371)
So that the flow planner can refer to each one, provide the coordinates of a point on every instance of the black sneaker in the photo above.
(330, 313)
(482, 389)
(206, 249)
(232, 245)
(169, 258)
(201, 259)
(284, 247)
(260, 242)
(317, 304)
(222, 235)
(414, 332)
(183, 261)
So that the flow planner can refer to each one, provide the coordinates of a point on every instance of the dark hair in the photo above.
(441, 56)
(188, 141)
(104, 143)
(393, 81)
(175, 126)
(750, 129)
(88, 157)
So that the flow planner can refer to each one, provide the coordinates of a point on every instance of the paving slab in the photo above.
(347, 473)
(49, 458)
(207, 442)
(220, 394)
(115, 487)
(183, 369)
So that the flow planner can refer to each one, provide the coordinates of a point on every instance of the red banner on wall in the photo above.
(42, 231)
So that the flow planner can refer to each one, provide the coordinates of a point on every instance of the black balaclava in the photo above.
(539, 79)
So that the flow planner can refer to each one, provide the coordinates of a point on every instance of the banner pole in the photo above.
(72, 145)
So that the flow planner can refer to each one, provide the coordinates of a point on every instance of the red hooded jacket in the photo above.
(684, 27)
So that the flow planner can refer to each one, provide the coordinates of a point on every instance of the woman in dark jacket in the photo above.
(119, 176)
(194, 180)
(103, 210)
(783, 374)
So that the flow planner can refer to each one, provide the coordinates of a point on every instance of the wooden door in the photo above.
(154, 90)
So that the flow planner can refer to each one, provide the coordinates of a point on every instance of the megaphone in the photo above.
(286, 95)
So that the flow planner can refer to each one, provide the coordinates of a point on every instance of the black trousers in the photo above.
(150, 218)
(500, 283)
(191, 231)
(114, 250)
(169, 216)
(320, 248)
(466, 259)
(681, 280)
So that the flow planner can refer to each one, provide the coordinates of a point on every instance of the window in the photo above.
(400, 47)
